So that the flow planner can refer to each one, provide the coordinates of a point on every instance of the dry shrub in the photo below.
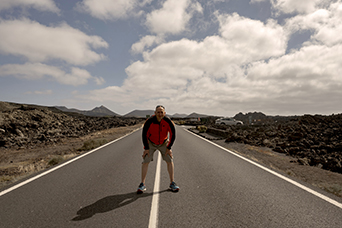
(92, 144)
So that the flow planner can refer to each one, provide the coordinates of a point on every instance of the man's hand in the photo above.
(169, 152)
(146, 152)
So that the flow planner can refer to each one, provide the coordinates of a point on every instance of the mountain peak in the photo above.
(140, 113)
(97, 111)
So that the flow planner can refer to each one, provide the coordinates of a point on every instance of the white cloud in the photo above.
(99, 80)
(242, 40)
(30, 71)
(146, 42)
(311, 64)
(110, 9)
(36, 71)
(173, 17)
(310, 77)
(76, 77)
(325, 25)
(40, 92)
(253, 38)
(295, 6)
(40, 43)
(210, 72)
(243, 68)
(42, 5)
(254, 1)
(214, 1)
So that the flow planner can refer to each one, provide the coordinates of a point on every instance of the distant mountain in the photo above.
(101, 111)
(196, 115)
(65, 109)
(144, 113)
(98, 111)
(140, 113)
(177, 115)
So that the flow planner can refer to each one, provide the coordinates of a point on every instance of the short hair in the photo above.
(160, 106)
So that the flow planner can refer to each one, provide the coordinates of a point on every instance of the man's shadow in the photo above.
(110, 203)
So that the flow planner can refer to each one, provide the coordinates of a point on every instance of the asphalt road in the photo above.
(217, 189)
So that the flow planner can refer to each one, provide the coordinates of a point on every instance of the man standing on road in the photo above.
(158, 134)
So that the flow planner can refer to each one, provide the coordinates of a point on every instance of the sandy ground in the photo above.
(17, 164)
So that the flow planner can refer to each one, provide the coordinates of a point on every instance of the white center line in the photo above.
(153, 223)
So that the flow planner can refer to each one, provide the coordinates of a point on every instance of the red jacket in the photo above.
(157, 132)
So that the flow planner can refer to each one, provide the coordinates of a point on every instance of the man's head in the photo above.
(160, 112)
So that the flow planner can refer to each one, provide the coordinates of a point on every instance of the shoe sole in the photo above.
(141, 191)
(174, 190)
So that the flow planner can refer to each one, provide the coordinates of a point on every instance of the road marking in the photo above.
(61, 165)
(153, 223)
(329, 200)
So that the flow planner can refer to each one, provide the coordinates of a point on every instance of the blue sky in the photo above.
(279, 57)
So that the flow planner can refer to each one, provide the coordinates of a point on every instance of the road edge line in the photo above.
(61, 165)
(323, 197)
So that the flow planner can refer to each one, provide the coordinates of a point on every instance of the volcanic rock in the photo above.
(314, 140)
(28, 126)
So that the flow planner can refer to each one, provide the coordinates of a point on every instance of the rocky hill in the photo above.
(196, 115)
(140, 113)
(313, 140)
(261, 118)
(28, 126)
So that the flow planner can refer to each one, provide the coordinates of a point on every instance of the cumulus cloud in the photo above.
(187, 72)
(42, 5)
(255, 1)
(295, 6)
(43, 43)
(77, 76)
(313, 65)
(109, 9)
(146, 42)
(244, 67)
(325, 25)
(99, 80)
(308, 77)
(40, 92)
(31, 71)
(252, 37)
(241, 40)
(35, 71)
(173, 17)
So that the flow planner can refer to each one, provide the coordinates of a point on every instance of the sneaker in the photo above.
(141, 188)
(173, 187)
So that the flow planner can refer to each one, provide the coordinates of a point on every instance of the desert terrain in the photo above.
(35, 138)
